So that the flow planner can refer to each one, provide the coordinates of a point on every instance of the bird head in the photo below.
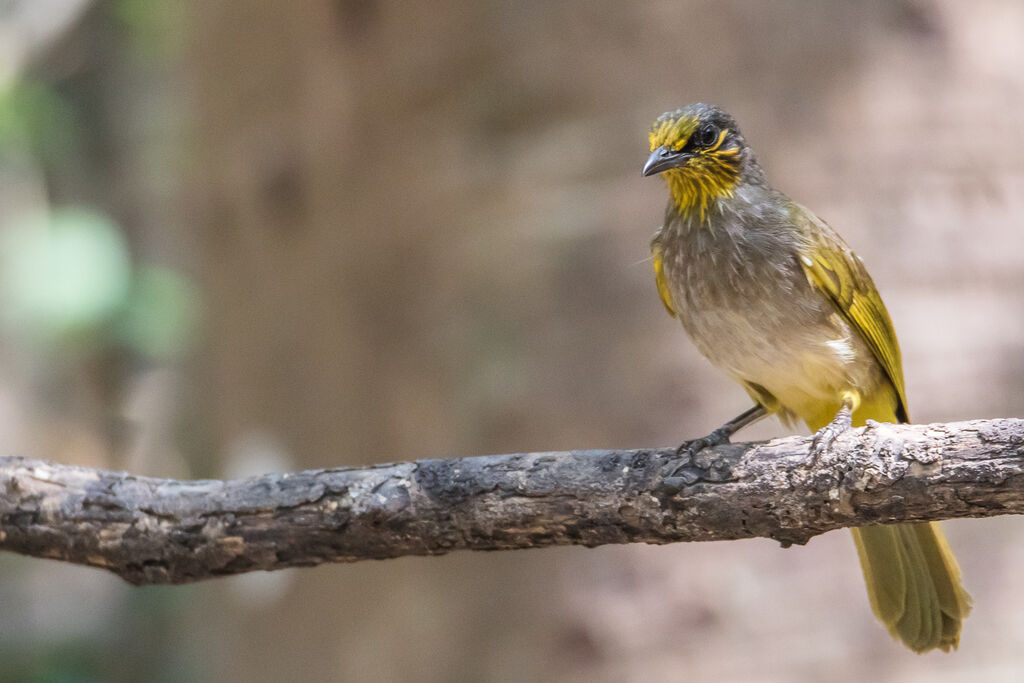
(701, 154)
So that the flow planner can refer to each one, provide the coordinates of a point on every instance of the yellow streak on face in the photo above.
(710, 175)
(721, 139)
(671, 132)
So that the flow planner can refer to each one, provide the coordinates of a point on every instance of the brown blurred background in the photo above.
(247, 236)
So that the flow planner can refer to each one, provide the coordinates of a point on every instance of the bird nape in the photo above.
(772, 296)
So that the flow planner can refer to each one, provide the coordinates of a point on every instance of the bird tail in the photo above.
(913, 583)
(912, 576)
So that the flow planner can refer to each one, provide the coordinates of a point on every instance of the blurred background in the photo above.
(251, 236)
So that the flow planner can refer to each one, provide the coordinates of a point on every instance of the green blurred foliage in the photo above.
(62, 274)
(161, 314)
(156, 29)
(35, 120)
(76, 661)
(144, 644)
(68, 277)
(82, 301)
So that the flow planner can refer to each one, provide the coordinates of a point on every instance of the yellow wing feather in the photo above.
(659, 278)
(912, 576)
(839, 274)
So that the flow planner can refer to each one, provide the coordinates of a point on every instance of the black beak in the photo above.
(663, 159)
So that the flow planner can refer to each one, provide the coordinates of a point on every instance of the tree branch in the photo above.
(164, 531)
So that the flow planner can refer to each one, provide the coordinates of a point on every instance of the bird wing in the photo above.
(659, 278)
(833, 269)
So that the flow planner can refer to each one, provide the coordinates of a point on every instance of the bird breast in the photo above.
(746, 303)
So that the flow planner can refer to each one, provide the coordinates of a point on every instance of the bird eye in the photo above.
(708, 135)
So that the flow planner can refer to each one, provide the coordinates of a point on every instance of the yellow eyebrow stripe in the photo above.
(721, 139)
(682, 141)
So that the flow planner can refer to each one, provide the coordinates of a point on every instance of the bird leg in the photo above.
(677, 476)
(722, 434)
(826, 436)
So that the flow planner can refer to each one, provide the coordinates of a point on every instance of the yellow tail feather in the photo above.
(912, 576)
(913, 584)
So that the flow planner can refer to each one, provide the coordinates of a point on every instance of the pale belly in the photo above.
(766, 327)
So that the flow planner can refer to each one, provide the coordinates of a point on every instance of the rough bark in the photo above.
(165, 531)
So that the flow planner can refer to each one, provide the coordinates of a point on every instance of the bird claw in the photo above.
(694, 446)
(827, 435)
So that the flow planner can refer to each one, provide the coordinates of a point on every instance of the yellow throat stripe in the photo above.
(709, 176)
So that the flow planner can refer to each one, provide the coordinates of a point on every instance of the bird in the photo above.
(773, 296)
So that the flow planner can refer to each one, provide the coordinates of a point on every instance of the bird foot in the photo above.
(826, 436)
(694, 446)
(689, 449)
